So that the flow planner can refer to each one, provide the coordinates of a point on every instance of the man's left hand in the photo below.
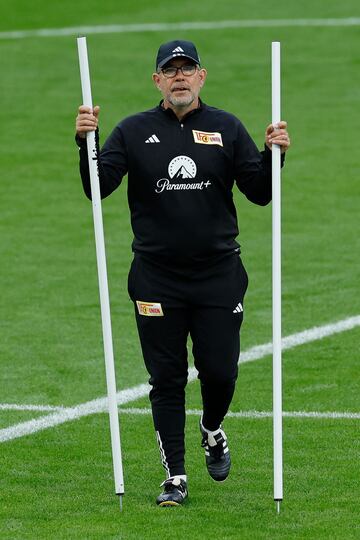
(277, 134)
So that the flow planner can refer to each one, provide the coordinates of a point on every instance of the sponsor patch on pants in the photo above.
(149, 309)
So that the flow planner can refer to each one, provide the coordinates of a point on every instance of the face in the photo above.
(181, 90)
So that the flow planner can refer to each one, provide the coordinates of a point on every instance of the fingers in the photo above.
(277, 134)
(87, 120)
(275, 127)
(86, 109)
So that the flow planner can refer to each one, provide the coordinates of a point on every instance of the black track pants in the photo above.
(169, 306)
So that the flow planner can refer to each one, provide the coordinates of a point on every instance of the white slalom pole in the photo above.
(102, 275)
(276, 282)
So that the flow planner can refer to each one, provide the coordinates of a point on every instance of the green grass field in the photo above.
(57, 483)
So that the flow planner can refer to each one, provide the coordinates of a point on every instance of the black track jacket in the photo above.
(180, 180)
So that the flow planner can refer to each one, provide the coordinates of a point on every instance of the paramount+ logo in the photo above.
(181, 168)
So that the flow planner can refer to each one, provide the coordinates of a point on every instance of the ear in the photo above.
(202, 75)
(156, 79)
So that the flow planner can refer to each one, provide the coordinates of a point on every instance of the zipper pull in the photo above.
(182, 126)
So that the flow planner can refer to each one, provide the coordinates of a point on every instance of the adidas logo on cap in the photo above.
(173, 49)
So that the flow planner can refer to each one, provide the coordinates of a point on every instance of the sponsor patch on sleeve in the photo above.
(149, 309)
(206, 137)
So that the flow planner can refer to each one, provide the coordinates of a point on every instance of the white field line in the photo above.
(336, 415)
(165, 27)
(70, 413)
(197, 412)
(131, 394)
(41, 408)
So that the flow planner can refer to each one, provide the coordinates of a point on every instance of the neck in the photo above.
(181, 111)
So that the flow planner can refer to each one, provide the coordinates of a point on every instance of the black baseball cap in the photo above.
(174, 49)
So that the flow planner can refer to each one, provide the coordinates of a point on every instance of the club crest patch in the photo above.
(207, 137)
(149, 309)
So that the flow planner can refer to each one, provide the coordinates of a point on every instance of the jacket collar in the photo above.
(171, 113)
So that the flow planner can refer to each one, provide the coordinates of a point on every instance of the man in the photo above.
(182, 158)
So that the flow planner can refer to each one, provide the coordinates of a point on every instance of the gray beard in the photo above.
(181, 102)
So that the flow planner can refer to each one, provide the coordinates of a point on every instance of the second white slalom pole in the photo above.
(102, 275)
(276, 281)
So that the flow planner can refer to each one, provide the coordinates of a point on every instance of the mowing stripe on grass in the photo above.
(131, 394)
(164, 27)
(336, 415)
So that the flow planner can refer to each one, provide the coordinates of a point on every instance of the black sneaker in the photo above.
(174, 494)
(217, 454)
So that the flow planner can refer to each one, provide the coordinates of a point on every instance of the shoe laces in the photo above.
(217, 450)
(171, 484)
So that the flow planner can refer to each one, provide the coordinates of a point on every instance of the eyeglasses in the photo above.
(171, 71)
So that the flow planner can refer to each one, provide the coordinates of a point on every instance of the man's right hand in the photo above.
(87, 120)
